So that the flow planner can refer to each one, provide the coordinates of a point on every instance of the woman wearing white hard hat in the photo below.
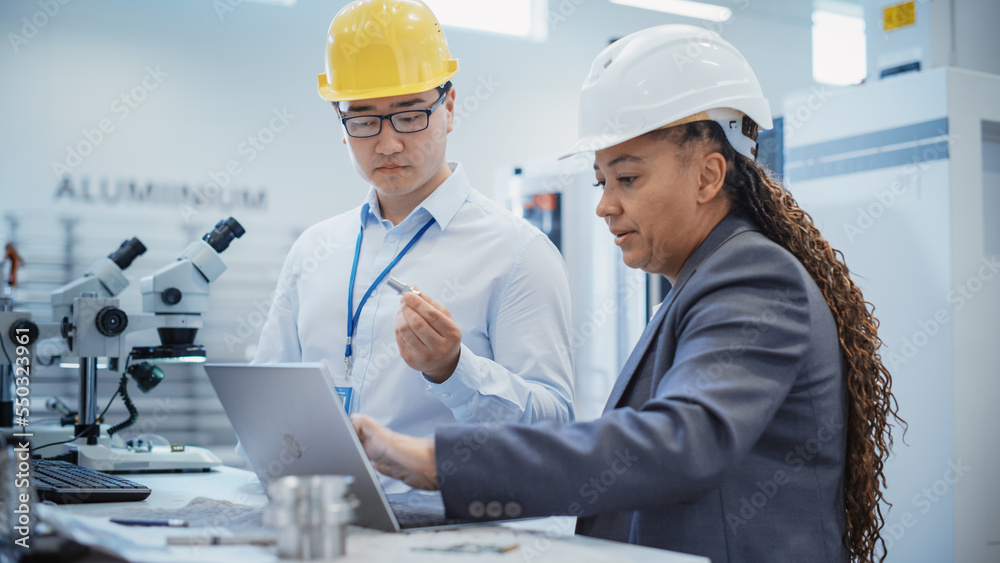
(751, 422)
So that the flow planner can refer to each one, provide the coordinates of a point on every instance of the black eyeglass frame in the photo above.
(443, 89)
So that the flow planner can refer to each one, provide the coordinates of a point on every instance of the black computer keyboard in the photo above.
(65, 483)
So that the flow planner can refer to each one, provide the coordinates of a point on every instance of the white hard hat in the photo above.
(665, 76)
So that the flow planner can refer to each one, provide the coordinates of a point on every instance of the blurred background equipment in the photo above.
(92, 326)
(908, 189)
(611, 302)
(9, 323)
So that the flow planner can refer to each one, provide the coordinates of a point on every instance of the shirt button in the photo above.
(362, 352)
(392, 238)
(445, 395)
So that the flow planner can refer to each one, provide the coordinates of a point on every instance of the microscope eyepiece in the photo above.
(223, 234)
(127, 252)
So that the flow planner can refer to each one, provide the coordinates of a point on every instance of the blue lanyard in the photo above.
(352, 317)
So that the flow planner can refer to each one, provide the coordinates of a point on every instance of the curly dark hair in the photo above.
(755, 194)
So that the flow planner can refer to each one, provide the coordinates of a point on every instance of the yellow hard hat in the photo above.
(379, 48)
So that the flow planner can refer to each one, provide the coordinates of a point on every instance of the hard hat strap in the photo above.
(741, 131)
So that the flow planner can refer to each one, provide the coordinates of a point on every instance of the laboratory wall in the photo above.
(157, 119)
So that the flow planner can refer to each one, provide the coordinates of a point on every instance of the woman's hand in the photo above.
(403, 457)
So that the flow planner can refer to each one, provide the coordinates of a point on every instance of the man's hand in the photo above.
(428, 338)
(409, 459)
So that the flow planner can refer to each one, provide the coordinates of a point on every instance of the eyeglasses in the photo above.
(409, 121)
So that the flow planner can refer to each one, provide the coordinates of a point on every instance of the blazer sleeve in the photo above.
(722, 365)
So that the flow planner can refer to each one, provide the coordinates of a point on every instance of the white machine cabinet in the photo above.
(903, 176)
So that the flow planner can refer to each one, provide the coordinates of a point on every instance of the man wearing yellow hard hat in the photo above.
(492, 345)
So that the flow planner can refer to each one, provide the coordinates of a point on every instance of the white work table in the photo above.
(547, 540)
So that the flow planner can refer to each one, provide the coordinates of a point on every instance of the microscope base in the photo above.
(104, 457)
(162, 459)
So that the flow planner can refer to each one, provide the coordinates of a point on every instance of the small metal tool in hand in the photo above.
(401, 287)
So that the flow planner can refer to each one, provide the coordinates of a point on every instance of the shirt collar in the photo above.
(370, 208)
(443, 203)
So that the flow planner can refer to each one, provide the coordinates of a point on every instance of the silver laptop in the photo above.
(291, 421)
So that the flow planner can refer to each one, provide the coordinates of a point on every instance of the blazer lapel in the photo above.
(726, 229)
(629, 370)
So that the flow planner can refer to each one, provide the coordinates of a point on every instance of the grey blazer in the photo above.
(724, 435)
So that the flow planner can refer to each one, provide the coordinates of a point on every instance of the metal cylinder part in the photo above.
(311, 514)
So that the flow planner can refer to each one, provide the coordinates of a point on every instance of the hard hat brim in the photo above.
(328, 93)
(761, 115)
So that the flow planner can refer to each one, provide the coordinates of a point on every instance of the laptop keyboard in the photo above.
(421, 516)
(65, 483)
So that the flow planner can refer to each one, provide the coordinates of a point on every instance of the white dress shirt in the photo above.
(501, 279)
